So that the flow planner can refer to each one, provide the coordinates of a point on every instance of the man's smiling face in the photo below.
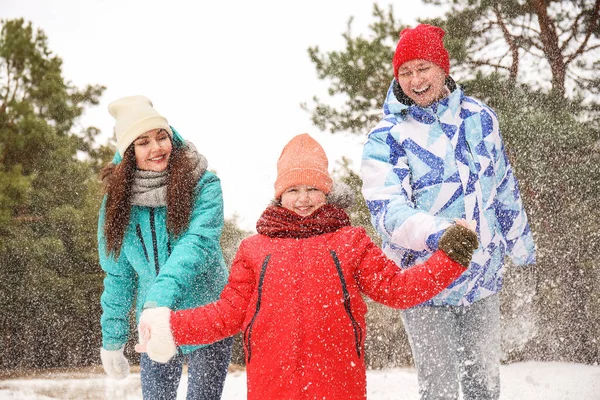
(422, 81)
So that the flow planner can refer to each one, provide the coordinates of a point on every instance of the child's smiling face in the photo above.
(303, 199)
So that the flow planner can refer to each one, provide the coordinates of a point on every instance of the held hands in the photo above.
(115, 364)
(155, 334)
(459, 242)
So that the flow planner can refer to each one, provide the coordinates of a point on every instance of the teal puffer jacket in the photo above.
(156, 269)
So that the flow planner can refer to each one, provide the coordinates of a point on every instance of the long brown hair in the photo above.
(118, 179)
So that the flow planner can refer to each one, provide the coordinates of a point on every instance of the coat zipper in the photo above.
(248, 331)
(355, 326)
(138, 229)
(154, 241)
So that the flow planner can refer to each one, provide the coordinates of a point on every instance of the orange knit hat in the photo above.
(302, 162)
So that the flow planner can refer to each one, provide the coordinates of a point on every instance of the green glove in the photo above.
(459, 243)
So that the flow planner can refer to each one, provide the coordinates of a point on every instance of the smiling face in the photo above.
(153, 150)
(303, 199)
(422, 81)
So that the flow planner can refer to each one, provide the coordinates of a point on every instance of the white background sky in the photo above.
(228, 75)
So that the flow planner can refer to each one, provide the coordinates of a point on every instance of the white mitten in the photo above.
(155, 334)
(114, 362)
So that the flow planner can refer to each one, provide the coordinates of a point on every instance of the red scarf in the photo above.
(280, 222)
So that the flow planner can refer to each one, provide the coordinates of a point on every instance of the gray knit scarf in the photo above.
(149, 188)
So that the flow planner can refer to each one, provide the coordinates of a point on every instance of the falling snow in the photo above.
(520, 381)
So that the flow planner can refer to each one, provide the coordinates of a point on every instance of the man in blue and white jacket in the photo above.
(435, 158)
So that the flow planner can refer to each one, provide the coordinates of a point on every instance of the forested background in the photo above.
(535, 62)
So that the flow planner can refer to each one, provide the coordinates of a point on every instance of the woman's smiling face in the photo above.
(422, 81)
(153, 150)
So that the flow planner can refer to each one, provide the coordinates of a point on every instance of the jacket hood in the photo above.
(341, 195)
(177, 143)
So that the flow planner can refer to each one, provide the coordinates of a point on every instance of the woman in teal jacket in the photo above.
(159, 235)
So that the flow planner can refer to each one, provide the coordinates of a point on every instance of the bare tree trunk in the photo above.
(510, 40)
(551, 48)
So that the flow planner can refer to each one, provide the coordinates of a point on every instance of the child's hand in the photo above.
(155, 335)
(459, 243)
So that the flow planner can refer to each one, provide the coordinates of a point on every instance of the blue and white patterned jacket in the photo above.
(424, 166)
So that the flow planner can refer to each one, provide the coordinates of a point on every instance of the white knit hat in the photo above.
(134, 116)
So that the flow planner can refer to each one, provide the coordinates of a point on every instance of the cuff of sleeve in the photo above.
(112, 346)
(150, 304)
(176, 322)
(433, 240)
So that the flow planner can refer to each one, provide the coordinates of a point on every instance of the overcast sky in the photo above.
(228, 75)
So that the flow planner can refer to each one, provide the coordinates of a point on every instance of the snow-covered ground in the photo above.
(520, 381)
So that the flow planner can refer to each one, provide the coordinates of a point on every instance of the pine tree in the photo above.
(49, 275)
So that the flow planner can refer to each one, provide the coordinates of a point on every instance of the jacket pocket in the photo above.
(358, 333)
(248, 331)
(138, 230)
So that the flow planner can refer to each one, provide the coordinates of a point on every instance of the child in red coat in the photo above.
(295, 289)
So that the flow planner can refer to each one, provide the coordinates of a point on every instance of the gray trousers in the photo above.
(456, 346)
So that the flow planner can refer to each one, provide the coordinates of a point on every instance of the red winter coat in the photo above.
(296, 296)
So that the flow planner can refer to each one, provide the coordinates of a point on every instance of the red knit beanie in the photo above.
(302, 162)
(424, 42)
